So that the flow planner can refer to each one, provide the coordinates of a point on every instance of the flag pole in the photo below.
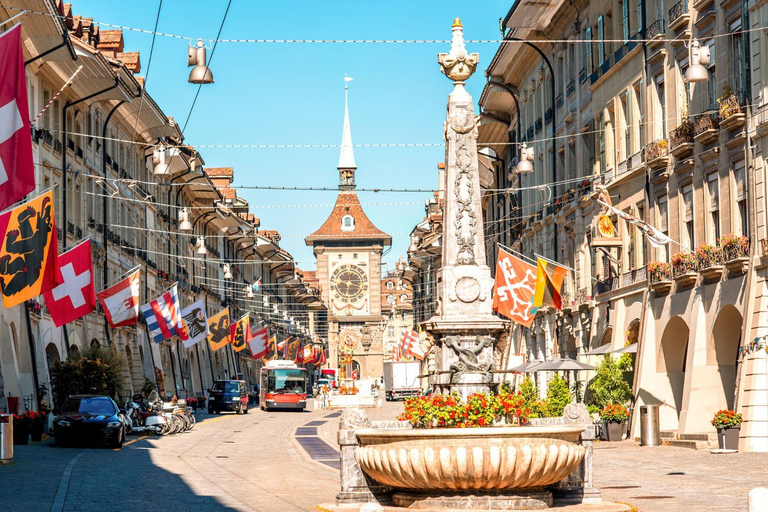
(22, 15)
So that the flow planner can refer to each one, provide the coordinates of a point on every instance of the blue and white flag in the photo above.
(163, 315)
(194, 326)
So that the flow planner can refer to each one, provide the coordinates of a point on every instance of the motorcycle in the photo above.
(141, 416)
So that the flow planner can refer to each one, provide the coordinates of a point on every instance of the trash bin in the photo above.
(649, 425)
(6, 438)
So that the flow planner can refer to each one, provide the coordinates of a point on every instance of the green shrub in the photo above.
(96, 370)
(609, 386)
(558, 396)
(148, 387)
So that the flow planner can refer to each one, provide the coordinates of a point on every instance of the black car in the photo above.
(228, 395)
(89, 418)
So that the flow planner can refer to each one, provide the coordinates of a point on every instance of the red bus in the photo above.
(330, 375)
(283, 386)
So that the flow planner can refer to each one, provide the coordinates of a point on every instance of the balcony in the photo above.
(633, 276)
(660, 277)
(539, 125)
(548, 116)
(655, 33)
(656, 154)
(79, 152)
(57, 146)
(705, 128)
(583, 75)
(71, 145)
(730, 109)
(570, 89)
(606, 285)
(762, 119)
(529, 133)
(681, 139)
(559, 101)
(679, 15)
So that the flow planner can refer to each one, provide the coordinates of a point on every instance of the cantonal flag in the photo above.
(163, 315)
(240, 333)
(28, 250)
(549, 281)
(218, 326)
(258, 344)
(513, 288)
(121, 301)
(74, 297)
(17, 168)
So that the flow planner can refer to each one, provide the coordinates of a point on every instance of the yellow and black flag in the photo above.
(549, 282)
(240, 333)
(29, 250)
(218, 324)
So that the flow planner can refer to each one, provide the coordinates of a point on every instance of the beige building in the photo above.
(684, 157)
(397, 309)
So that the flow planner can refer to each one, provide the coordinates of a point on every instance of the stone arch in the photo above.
(74, 351)
(51, 355)
(95, 343)
(606, 338)
(671, 359)
(723, 350)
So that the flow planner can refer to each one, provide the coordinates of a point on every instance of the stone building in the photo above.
(348, 248)
(685, 157)
(397, 309)
(105, 131)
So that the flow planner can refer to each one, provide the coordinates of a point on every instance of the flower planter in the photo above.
(737, 265)
(712, 274)
(686, 280)
(613, 431)
(474, 459)
(733, 122)
(682, 150)
(659, 162)
(728, 438)
(20, 435)
(662, 287)
(36, 433)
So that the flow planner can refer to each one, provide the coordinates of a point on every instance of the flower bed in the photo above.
(683, 263)
(659, 272)
(726, 419)
(708, 255)
(479, 410)
(734, 247)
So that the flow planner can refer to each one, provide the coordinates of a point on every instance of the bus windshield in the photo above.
(286, 380)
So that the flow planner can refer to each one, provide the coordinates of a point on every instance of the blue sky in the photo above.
(294, 94)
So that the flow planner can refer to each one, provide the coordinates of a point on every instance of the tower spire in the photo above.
(347, 156)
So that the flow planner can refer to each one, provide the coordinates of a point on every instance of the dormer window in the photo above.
(347, 223)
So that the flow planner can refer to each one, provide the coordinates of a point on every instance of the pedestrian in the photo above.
(324, 397)
(373, 389)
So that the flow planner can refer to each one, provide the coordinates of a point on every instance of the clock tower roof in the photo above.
(348, 221)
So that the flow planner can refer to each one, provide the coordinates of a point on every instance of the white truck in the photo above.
(401, 379)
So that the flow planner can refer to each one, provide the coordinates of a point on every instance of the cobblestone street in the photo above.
(288, 461)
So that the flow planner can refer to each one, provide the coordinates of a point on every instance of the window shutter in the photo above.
(640, 10)
(628, 118)
(641, 101)
(589, 49)
(600, 40)
(688, 202)
(714, 192)
(625, 19)
(738, 175)
(632, 241)
(663, 221)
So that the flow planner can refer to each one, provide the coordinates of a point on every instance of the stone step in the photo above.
(704, 436)
(694, 445)
(668, 434)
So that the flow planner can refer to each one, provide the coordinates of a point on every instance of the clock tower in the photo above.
(348, 249)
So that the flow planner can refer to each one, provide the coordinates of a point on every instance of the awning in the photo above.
(44, 31)
(564, 364)
(527, 367)
(629, 349)
(603, 349)
(492, 131)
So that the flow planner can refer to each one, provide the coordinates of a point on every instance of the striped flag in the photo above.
(549, 281)
(163, 315)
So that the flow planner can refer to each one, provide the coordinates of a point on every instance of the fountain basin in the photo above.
(467, 459)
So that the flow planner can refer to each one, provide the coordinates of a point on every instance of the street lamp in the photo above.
(227, 271)
(158, 160)
(249, 291)
(184, 224)
(699, 59)
(201, 248)
(525, 165)
(200, 74)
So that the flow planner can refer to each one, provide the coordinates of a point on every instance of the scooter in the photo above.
(141, 418)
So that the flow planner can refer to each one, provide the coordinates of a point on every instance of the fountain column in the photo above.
(464, 328)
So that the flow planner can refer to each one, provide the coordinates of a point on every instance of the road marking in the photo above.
(131, 442)
(61, 492)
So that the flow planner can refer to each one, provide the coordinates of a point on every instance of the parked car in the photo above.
(89, 418)
(228, 395)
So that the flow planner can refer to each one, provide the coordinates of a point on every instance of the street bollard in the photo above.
(758, 500)
(6, 438)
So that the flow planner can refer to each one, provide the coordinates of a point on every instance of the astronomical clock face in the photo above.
(349, 284)
(348, 341)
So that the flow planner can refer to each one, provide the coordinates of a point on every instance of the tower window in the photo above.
(347, 223)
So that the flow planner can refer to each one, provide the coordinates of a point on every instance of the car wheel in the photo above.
(120, 438)
(210, 410)
(239, 409)
(246, 410)
(60, 441)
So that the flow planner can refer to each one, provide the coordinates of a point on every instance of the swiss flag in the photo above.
(75, 296)
(17, 168)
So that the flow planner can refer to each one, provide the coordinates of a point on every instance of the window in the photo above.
(391, 331)
(588, 58)
(600, 39)
(737, 56)
(640, 247)
(390, 285)
(403, 298)
(741, 199)
(347, 223)
(687, 192)
(391, 299)
(711, 101)
(714, 208)
(663, 223)
(661, 109)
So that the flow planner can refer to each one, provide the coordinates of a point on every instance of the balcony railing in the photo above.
(583, 75)
(70, 144)
(656, 29)
(762, 114)
(656, 149)
(559, 100)
(730, 105)
(529, 133)
(683, 134)
(539, 125)
(703, 123)
(570, 89)
(677, 10)
(548, 116)
(607, 285)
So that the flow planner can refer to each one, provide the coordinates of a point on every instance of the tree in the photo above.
(558, 396)
(609, 386)
(96, 370)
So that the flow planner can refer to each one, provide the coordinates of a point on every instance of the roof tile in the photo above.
(347, 203)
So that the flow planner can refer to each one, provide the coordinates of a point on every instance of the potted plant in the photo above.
(728, 425)
(710, 261)
(735, 252)
(684, 268)
(201, 402)
(192, 402)
(37, 423)
(614, 417)
(659, 273)
(21, 427)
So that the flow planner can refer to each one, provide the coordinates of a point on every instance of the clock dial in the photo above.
(349, 283)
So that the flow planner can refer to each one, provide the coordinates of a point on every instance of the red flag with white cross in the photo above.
(74, 297)
(17, 168)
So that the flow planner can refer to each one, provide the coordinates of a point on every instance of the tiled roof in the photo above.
(347, 203)
(111, 40)
(131, 60)
(220, 172)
